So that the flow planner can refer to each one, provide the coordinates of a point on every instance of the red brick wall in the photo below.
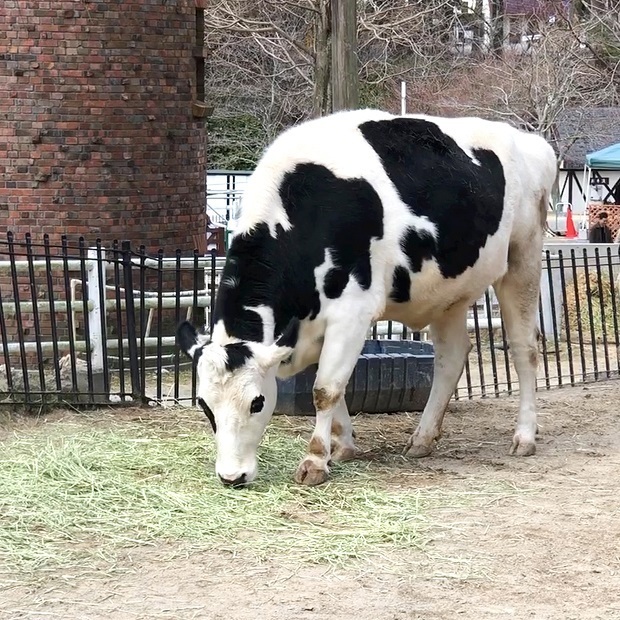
(97, 136)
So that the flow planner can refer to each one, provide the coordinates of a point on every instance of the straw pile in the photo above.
(592, 293)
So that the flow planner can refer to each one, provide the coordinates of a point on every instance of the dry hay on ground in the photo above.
(591, 293)
(503, 537)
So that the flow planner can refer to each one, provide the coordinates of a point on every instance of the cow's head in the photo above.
(237, 391)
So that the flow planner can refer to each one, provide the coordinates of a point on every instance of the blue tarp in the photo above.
(605, 159)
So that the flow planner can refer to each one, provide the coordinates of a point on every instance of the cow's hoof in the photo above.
(417, 448)
(311, 473)
(343, 453)
(522, 446)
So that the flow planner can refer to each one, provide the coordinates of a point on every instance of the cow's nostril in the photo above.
(236, 482)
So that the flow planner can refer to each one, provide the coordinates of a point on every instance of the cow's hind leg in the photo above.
(518, 293)
(452, 345)
(341, 349)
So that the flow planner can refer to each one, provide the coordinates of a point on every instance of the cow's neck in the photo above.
(245, 302)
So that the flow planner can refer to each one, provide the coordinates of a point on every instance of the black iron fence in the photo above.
(578, 322)
(92, 325)
(95, 325)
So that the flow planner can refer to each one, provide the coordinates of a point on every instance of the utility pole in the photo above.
(344, 77)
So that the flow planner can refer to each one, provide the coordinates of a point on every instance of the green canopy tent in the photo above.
(605, 159)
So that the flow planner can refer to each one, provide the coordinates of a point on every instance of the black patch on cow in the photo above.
(236, 289)
(290, 334)
(334, 283)
(208, 413)
(257, 404)
(237, 354)
(419, 246)
(437, 179)
(401, 285)
(197, 354)
(326, 212)
(341, 215)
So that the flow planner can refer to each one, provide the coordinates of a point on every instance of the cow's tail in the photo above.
(547, 193)
(544, 208)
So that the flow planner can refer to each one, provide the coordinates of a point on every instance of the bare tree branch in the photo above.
(269, 61)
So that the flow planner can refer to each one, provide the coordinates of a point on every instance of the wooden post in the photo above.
(344, 55)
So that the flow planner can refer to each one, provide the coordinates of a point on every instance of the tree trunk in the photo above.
(320, 95)
(345, 94)
(497, 21)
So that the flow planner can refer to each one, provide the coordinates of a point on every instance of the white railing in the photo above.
(97, 316)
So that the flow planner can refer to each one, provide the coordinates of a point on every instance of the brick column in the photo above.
(98, 133)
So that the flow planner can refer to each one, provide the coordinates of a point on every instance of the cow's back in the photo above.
(452, 194)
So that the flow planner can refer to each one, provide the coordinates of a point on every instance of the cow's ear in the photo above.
(189, 340)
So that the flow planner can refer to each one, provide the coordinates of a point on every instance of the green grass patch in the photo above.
(73, 493)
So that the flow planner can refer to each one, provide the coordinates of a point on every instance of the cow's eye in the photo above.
(257, 404)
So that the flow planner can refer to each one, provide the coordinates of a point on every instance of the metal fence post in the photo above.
(132, 341)
(212, 294)
(207, 283)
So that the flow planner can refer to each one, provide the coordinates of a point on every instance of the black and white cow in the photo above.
(361, 216)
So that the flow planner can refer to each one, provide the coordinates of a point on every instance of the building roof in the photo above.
(532, 7)
(586, 130)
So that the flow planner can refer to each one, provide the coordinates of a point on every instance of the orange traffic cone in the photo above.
(571, 231)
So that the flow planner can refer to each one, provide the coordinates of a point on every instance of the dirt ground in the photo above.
(550, 550)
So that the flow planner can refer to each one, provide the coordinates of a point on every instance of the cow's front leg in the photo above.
(342, 447)
(338, 358)
(314, 469)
